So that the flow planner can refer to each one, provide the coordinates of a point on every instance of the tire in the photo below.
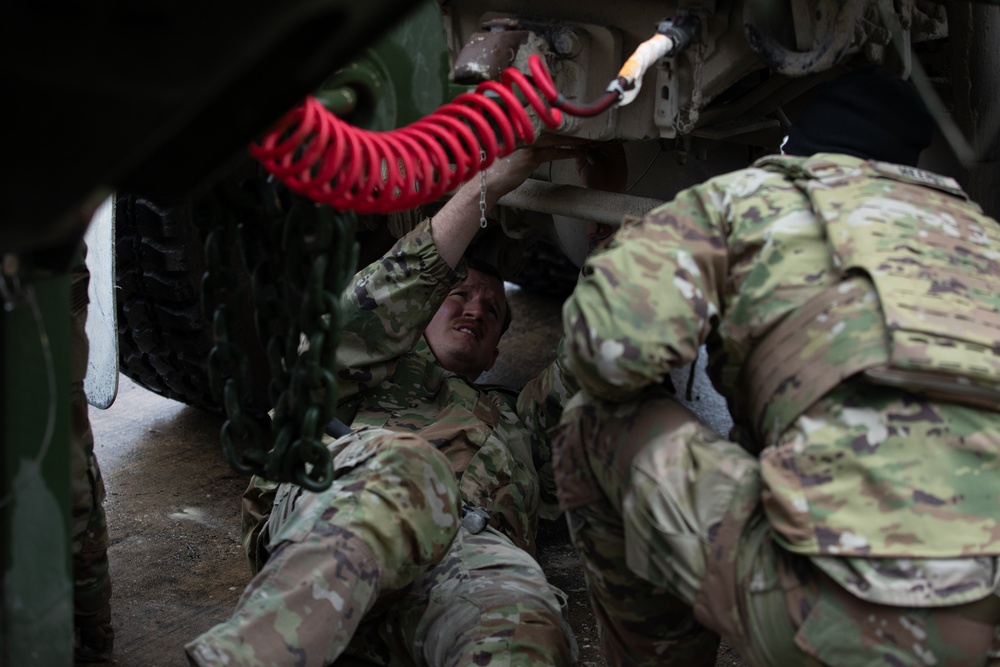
(163, 336)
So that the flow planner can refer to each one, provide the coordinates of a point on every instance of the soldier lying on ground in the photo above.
(848, 304)
(377, 569)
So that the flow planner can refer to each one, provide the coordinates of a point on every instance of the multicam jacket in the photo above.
(389, 378)
(729, 261)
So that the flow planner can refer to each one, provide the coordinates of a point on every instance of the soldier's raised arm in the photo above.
(647, 302)
(455, 226)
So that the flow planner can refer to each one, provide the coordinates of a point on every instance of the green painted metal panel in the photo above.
(36, 626)
(398, 80)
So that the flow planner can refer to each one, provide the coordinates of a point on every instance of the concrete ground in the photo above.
(174, 513)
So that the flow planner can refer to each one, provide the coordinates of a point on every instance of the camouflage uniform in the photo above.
(376, 570)
(850, 314)
(93, 634)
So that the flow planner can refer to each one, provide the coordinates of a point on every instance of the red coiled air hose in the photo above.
(323, 158)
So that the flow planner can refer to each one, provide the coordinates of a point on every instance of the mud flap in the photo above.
(101, 382)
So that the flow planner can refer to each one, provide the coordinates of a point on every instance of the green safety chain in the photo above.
(301, 257)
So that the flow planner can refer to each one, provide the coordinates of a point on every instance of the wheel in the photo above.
(164, 337)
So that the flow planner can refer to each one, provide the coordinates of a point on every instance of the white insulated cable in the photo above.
(644, 57)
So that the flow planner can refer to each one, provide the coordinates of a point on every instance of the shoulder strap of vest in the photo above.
(900, 172)
(784, 164)
(828, 171)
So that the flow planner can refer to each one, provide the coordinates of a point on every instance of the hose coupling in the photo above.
(681, 32)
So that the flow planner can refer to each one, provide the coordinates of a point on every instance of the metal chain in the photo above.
(304, 257)
(482, 191)
(243, 439)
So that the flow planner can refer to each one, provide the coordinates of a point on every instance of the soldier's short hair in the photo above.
(869, 113)
(489, 269)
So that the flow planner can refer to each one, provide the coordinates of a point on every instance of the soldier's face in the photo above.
(466, 328)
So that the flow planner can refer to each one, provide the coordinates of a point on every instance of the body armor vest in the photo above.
(920, 268)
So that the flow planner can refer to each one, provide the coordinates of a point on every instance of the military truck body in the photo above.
(715, 106)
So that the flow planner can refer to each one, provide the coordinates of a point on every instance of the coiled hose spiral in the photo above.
(323, 158)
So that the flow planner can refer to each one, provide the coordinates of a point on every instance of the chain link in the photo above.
(482, 191)
(300, 256)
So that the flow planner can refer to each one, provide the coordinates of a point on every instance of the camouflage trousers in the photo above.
(89, 532)
(677, 552)
(376, 571)
(486, 603)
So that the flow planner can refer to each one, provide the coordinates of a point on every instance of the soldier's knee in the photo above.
(406, 504)
(412, 472)
(679, 492)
